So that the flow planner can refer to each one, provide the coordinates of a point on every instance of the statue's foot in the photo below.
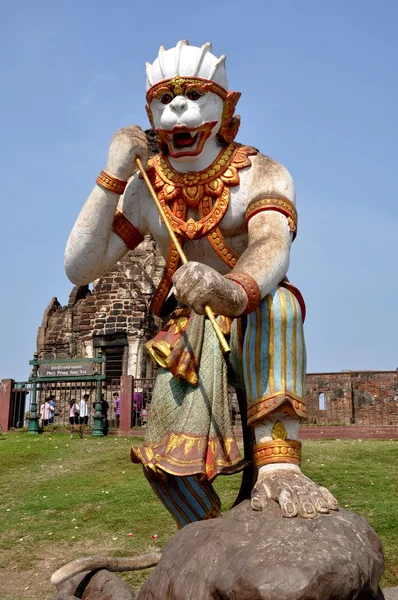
(295, 493)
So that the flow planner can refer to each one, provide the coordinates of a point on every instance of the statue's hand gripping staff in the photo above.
(223, 342)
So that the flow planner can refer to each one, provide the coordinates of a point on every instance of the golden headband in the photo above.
(181, 85)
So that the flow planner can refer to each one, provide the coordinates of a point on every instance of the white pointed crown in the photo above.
(187, 61)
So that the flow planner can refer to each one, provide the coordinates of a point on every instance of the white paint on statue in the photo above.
(187, 61)
(93, 248)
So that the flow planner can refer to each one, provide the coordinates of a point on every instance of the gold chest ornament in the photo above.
(209, 192)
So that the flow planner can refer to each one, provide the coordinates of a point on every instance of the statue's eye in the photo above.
(166, 98)
(194, 95)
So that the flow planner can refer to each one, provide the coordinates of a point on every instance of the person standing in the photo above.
(144, 416)
(52, 407)
(104, 411)
(116, 407)
(45, 412)
(83, 409)
(73, 412)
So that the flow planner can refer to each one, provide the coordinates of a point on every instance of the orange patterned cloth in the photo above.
(171, 350)
(187, 454)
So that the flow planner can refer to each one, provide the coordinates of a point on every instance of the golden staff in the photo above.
(209, 313)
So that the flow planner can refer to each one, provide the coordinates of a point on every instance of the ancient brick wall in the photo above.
(375, 398)
(353, 397)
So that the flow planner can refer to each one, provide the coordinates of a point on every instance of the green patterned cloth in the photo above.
(190, 428)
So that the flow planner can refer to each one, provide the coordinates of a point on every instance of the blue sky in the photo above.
(319, 93)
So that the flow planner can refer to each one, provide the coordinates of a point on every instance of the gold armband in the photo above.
(126, 230)
(277, 451)
(251, 289)
(274, 202)
(109, 182)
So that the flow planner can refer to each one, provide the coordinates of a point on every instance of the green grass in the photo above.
(62, 498)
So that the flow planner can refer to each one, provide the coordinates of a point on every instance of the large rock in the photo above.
(94, 585)
(391, 593)
(248, 555)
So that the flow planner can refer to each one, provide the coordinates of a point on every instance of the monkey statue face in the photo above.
(187, 99)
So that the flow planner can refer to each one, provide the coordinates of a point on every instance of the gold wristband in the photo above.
(277, 451)
(109, 182)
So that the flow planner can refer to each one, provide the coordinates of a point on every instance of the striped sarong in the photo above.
(274, 358)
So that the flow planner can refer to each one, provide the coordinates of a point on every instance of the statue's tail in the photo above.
(249, 475)
(93, 563)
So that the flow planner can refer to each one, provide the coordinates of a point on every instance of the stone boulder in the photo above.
(248, 555)
(390, 593)
(94, 585)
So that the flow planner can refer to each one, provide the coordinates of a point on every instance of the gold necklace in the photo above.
(209, 190)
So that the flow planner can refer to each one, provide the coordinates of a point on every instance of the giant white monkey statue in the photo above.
(234, 211)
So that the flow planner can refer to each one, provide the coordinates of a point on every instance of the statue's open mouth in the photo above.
(186, 141)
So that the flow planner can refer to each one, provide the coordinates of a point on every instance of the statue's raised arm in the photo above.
(93, 247)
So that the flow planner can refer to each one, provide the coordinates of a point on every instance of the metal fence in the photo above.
(142, 397)
(20, 404)
(111, 403)
(62, 403)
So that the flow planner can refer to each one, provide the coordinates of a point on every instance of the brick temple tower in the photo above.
(113, 316)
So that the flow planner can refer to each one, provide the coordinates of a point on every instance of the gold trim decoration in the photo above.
(230, 123)
(268, 403)
(166, 283)
(179, 85)
(109, 182)
(214, 513)
(161, 346)
(274, 202)
(250, 287)
(217, 241)
(188, 454)
(174, 178)
(126, 230)
(277, 451)
(279, 431)
(209, 191)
